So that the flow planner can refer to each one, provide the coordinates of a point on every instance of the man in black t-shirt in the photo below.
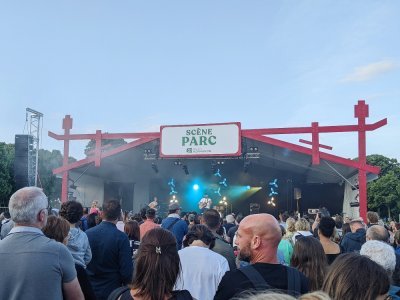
(257, 240)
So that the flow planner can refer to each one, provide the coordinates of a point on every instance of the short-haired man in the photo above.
(257, 238)
(380, 233)
(372, 218)
(111, 265)
(211, 219)
(32, 265)
(175, 224)
(149, 223)
(353, 240)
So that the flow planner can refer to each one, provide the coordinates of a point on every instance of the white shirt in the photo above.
(202, 271)
(302, 233)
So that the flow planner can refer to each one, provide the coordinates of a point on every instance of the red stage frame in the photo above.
(361, 112)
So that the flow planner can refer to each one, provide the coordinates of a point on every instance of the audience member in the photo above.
(56, 229)
(111, 264)
(372, 218)
(211, 219)
(258, 237)
(356, 277)
(283, 216)
(32, 265)
(200, 264)
(302, 227)
(133, 231)
(309, 258)
(175, 224)
(326, 231)
(230, 222)
(353, 240)
(231, 233)
(157, 269)
(6, 225)
(285, 247)
(78, 244)
(148, 224)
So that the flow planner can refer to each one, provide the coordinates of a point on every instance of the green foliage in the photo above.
(6, 172)
(384, 193)
(50, 183)
(110, 143)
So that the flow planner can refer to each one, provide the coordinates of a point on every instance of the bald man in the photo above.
(257, 240)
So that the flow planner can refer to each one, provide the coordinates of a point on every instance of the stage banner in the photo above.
(200, 140)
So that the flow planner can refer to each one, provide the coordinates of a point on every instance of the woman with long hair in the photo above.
(354, 276)
(309, 258)
(132, 229)
(157, 268)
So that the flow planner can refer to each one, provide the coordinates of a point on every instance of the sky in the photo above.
(131, 66)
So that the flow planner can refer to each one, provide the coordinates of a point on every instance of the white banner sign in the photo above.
(201, 140)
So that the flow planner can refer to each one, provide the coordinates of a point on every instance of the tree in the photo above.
(7, 185)
(384, 193)
(46, 179)
(111, 144)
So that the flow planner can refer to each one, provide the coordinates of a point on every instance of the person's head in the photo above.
(356, 224)
(265, 295)
(85, 210)
(57, 229)
(230, 219)
(72, 211)
(302, 225)
(377, 233)
(317, 295)
(381, 253)
(309, 257)
(6, 214)
(111, 210)
(132, 229)
(372, 217)
(258, 237)
(326, 227)
(143, 212)
(338, 221)
(28, 207)
(290, 222)
(211, 219)
(150, 213)
(283, 216)
(174, 208)
(199, 233)
(157, 265)
(354, 276)
(92, 220)
(95, 203)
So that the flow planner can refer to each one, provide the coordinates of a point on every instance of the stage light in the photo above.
(248, 187)
(223, 182)
(173, 200)
(195, 187)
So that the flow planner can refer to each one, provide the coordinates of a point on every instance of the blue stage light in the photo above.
(248, 187)
(195, 187)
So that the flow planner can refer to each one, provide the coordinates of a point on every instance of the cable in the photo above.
(337, 172)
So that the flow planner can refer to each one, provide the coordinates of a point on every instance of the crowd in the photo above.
(103, 253)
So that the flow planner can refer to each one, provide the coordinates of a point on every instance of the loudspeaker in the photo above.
(23, 146)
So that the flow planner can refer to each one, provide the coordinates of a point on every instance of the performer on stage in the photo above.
(205, 203)
(154, 204)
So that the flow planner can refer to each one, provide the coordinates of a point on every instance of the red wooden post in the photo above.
(67, 126)
(97, 149)
(315, 143)
(361, 112)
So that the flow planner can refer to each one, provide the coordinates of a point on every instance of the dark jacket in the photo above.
(353, 241)
(111, 265)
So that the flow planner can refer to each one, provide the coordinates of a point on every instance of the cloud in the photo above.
(370, 71)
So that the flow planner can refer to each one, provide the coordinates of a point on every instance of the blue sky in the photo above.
(131, 66)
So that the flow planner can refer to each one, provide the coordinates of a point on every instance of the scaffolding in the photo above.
(35, 130)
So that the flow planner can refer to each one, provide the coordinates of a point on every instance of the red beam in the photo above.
(114, 151)
(304, 150)
(321, 129)
(105, 136)
(320, 145)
